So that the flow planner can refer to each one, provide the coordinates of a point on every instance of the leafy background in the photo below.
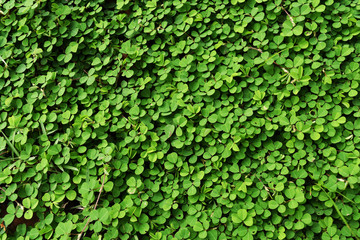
(179, 119)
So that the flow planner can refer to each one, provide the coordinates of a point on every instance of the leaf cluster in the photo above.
(206, 119)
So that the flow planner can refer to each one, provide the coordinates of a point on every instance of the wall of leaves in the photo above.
(210, 119)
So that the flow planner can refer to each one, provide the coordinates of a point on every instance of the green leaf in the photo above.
(248, 112)
(283, 121)
(14, 121)
(213, 235)
(258, 95)
(71, 195)
(172, 157)
(306, 219)
(131, 182)
(320, 8)
(293, 204)
(68, 57)
(63, 228)
(298, 61)
(298, 30)
(198, 227)
(202, 67)
(192, 190)
(242, 214)
(249, 221)
(33, 233)
(169, 130)
(73, 47)
(236, 219)
(135, 110)
(21, 68)
(96, 61)
(54, 150)
(3, 41)
(273, 204)
(353, 93)
(315, 136)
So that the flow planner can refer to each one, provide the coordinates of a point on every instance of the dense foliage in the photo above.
(210, 119)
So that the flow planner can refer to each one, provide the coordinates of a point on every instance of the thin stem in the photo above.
(10, 145)
(3, 60)
(43, 128)
(257, 49)
(338, 211)
(291, 19)
(15, 200)
(3, 153)
(97, 201)
(260, 51)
